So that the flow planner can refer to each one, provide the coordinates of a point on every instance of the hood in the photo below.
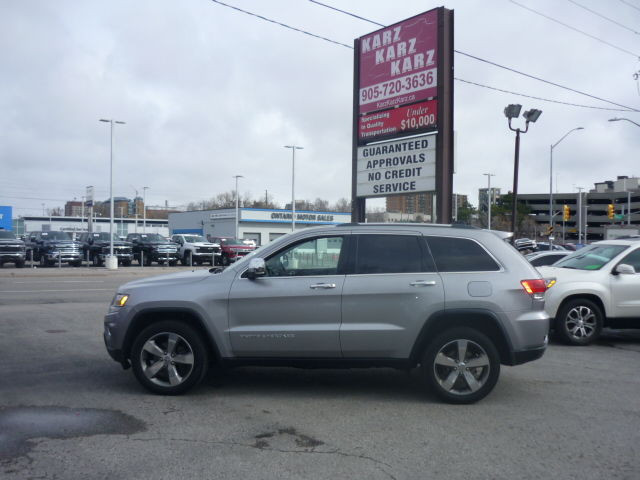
(179, 278)
(119, 243)
(568, 274)
(63, 243)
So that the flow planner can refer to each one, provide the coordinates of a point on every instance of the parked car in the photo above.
(152, 247)
(597, 286)
(52, 248)
(195, 248)
(98, 246)
(540, 259)
(232, 249)
(570, 246)
(545, 246)
(456, 301)
(12, 250)
(525, 244)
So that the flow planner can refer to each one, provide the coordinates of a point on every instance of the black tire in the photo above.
(579, 322)
(77, 263)
(97, 262)
(147, 260)
(44, 262)
(158, 380)
(225, 261)
(453, 379)
(126, 263)
(172, 263)
(20, 264)
(185, 259)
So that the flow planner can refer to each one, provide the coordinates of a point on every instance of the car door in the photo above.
(293, 311)
(392, 289)
(625, 288)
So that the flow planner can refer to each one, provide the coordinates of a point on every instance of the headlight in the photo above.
(120, 300)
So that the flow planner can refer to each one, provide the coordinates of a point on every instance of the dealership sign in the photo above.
(401, 166)
(392, 122)
(5, 218)
(403, 96)
(284, 216)
(399, 64)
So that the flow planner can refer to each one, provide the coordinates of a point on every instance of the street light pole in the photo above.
(580, 213)
(110, 263)
(237, 203)
(551, 179)
(293, 184)
(144, 209)
(511, 112)
(489, 195)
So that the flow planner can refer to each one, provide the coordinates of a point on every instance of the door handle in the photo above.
(423, 283)
(323, 285)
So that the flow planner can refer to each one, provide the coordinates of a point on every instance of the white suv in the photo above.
(597, 286)
(195, 249)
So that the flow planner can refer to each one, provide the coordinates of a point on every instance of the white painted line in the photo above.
(66, 281)
(47, 291)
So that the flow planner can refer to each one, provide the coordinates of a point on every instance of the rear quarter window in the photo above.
(460, 255)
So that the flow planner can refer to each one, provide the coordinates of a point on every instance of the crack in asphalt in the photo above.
(263, 445)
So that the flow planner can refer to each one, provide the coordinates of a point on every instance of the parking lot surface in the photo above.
(68, 411)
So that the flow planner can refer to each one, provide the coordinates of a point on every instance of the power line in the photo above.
(282, 24)
(635, 55)
(456, 51)
(546, 81)
(602, 16)
(630, 4)
(539, 98)
(347, 13)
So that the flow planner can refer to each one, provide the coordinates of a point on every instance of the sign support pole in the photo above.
(358, 205)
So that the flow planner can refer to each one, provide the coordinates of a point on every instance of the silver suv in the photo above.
(456, 301)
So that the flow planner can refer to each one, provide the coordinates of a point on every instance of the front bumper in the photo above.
(164, 256)
(121, 256)
(12, 256)
(64, 256)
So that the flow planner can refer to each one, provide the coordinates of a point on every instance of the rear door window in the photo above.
(460, 255)
(391, 254)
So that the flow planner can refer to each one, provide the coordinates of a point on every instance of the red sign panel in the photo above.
(398, 64)
(419, 116)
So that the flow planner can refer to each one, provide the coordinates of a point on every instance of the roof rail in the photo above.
(412, 224)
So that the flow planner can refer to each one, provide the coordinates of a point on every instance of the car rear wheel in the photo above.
(461, 365)
(169, 358)
(579, 322)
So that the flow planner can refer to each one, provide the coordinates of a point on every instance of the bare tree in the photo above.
(342, 205)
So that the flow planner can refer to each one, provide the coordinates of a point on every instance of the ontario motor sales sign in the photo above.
(398, 64)
(400, 166)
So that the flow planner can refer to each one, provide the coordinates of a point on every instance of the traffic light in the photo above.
(549, 231)
(611, 211)
(566, 213)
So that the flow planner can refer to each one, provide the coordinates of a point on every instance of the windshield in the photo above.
(194, 238)
(55, 236)
(593, 257)
(4, 235)
(104, 236)
(152, 237)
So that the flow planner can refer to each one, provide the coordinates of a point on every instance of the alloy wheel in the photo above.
(167, 359)
(580, 322)
(461, 367)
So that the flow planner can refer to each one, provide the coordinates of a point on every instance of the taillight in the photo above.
(532, 287)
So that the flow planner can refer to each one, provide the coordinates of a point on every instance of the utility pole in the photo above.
(293, 184)
(579, 213)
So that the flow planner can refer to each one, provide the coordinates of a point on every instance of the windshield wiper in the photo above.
(567, 266)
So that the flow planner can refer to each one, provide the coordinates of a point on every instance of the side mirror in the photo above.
(256, 268)
(625, 269)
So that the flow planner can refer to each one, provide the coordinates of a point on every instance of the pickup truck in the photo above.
(232, 249)
(98, 246)
(51, 248)
(11, 249)
(196, 249)
(152, 247)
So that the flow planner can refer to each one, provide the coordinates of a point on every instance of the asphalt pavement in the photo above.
(67, 411)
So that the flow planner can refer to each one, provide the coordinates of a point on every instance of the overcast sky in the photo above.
(208, 92)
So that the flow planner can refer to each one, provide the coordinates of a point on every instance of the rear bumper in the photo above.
(524, 356)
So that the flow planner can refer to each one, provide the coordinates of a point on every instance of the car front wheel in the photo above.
(169, 358)
(579, 322)
(461, 365)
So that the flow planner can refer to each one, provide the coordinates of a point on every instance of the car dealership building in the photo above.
(257, 224)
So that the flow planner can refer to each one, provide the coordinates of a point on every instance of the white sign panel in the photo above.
(400, 166)
(284, 216)
(89, 195)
